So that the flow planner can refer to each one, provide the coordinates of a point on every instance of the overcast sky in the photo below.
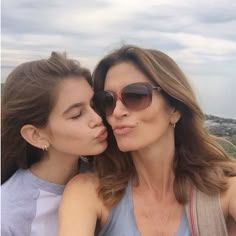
(199, 35)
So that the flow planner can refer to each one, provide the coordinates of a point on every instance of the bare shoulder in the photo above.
(228, 198)
(232, 183)
(80, 206)
(85, 180)
(231, 191)
(232, 196)
(82, 185)
(231, 220)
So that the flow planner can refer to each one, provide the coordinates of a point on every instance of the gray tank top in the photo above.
(121, 220)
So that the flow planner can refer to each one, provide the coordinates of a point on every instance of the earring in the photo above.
(173, 124)
(45, 148)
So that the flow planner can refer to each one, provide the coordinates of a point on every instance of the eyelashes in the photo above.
(76, 116)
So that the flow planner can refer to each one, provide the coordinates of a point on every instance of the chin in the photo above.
(98, 150)
(130, 146)
(127, 148)
(102, 149)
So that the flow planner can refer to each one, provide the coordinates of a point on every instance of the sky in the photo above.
(199, 35)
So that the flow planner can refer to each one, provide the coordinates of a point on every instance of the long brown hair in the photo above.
(199, 160)
(29, 95)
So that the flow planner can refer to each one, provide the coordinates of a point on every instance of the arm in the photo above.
(78, 212)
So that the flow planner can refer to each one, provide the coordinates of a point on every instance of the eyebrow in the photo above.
(76, 105)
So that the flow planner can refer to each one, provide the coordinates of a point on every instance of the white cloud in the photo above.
(201, 49)
(199, 35)
(204, 44)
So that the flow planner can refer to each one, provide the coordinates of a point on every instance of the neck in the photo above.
(57, 169)
(154, 168)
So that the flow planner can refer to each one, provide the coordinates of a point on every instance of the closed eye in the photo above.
(76, 116)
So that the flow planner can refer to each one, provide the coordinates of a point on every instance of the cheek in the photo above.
(155, 122)
(156, 125)
(154, 113)
(72, 141)
(151, 126)
(68, 132)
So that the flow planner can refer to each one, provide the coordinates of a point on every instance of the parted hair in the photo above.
(29, 94)
(198, 161)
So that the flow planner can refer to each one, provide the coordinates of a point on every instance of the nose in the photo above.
(120, 109)
(95, 120)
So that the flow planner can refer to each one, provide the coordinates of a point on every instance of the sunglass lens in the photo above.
(103, 103)
(137, 96)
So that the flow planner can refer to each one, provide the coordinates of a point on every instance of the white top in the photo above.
(29, 205)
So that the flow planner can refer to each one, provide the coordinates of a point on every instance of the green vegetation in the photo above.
(230, 148)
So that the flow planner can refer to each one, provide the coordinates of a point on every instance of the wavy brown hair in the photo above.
(29, 95)
(199, 160)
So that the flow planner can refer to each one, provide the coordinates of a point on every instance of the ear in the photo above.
(174, 116)
(34, 136)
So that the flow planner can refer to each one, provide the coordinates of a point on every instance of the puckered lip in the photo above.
(102, 134)
(122, 129)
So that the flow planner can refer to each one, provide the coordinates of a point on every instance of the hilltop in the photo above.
(220, 126)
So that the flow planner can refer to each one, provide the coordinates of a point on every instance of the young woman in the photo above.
(47, 123)
(162, 173)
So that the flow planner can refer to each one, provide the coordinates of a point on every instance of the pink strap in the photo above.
(191, 212)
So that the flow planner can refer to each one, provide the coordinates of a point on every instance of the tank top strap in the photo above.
(121, 219)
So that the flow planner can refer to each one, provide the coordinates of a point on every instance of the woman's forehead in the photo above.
(123, 74)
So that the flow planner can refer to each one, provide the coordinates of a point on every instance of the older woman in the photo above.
(162, 173)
